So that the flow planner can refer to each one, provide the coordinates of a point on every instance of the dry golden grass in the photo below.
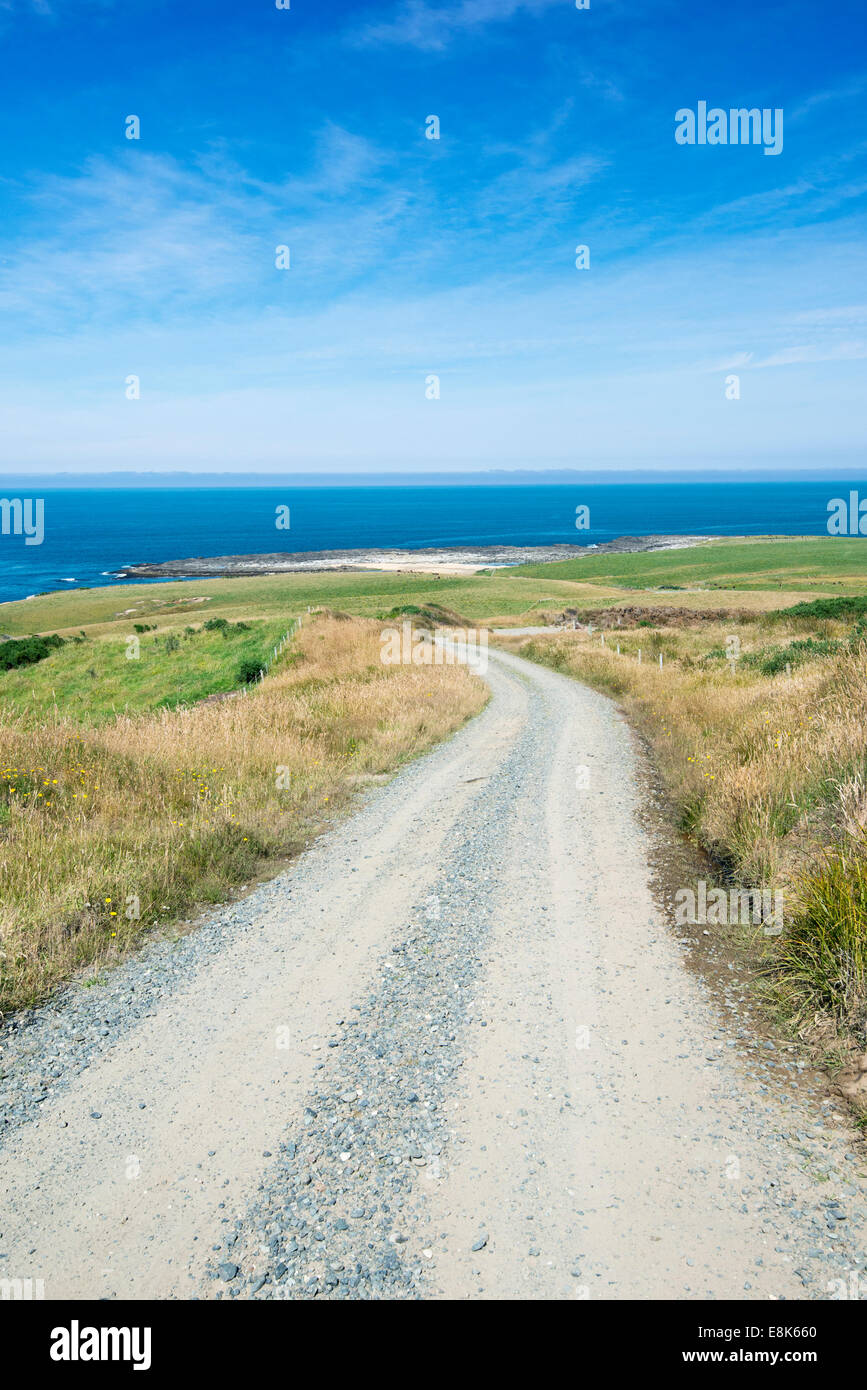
(105, 833)
(768, 774)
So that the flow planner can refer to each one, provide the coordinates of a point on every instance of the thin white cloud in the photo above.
(855, 87)
(843, 313)
(808, 353)
(528, 185)
(432, 28)
(145, 237)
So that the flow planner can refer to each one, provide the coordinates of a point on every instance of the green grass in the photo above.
(771, 661)
(799, 563)
(817, 564)
(107, 615)
(364, 595)
(822, 962)
(93, 681)
(846, 606)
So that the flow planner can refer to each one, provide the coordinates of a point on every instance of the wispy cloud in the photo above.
(818, 191)
(844, 91)
(433, 27)
(809, 352)
(412, 256)
(26, 6)
(843, 313)
(147, 237)
(52, 9)
(132, 232)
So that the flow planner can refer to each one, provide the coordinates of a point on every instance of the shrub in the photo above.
(845, 606)
(250, 670)
(25, 651)
(225, 627)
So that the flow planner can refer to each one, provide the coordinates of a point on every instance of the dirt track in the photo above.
(462, 1015)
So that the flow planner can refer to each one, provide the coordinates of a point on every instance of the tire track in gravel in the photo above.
(453, 1052)
(116, 1179)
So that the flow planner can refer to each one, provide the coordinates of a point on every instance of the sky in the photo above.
(413, 258)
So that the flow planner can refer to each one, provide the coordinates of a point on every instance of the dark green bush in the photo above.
(249, 670)
(26, 651)
(225, 627)
(846, 606)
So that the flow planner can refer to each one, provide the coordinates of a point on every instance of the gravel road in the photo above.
(453, 1052)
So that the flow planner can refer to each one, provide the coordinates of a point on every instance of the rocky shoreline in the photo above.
(428, 558)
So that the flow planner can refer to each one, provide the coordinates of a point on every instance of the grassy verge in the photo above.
(110, 828)
(93, 680)
(759, 727)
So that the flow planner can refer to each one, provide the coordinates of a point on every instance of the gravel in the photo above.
(433, 1130)
(343, 1196)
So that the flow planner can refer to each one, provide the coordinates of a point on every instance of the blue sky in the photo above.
(410, 257)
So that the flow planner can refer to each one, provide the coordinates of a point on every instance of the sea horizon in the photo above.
(478, 477)
(92, 534)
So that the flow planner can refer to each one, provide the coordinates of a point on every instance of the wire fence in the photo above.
(276, 652)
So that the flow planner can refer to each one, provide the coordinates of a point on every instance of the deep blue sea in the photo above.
(90, 533)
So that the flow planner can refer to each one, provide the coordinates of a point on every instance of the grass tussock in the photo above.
(769, 773)
(823, 958)
(110, 830)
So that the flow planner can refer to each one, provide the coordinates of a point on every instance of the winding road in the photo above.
(453, 1052)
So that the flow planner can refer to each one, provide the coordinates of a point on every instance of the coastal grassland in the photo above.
(754, 574)
(111, 829)
(831, 563)
(125, 672)
(278, 597)
(768, 772)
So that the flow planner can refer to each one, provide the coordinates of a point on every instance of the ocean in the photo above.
(91, 533)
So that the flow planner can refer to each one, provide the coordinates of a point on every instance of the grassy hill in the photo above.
(269, 596)
(811, 562)
(759, 573)
(124, 672)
